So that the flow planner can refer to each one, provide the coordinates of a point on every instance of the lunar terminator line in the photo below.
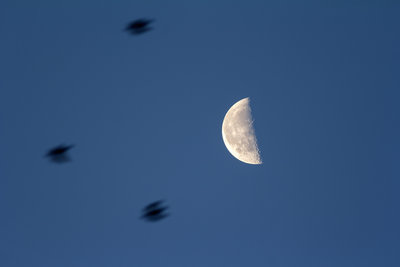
(238, 133)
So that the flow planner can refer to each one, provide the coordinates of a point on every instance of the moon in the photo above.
(238, 133)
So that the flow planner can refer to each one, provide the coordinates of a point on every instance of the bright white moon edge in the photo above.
(238, 133)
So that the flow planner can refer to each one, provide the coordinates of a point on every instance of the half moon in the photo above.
(238, 133)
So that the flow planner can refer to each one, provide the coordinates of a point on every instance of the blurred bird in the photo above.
(58, 154)
(153, 205)
(139, 26)
(154, 211)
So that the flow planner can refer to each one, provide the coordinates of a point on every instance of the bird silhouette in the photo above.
(154, 211)
(139, 26)
(59, 154)
(153, 205)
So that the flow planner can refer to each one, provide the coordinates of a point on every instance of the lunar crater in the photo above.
(238, 133)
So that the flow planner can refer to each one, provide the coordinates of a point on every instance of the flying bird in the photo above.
(154, 211)
(59, 153)
(153, 205)
(139, 26)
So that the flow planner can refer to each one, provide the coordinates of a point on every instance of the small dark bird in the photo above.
(153, 205)
(154, 211)
(59, 154)
(139, 26)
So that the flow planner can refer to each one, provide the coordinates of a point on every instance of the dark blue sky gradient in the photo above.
(145, 113)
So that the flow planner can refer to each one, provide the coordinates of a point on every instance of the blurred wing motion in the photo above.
(139, 26)
(152, 205)
(59, 154)
(154, 211)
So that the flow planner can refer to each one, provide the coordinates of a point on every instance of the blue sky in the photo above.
(145, 113)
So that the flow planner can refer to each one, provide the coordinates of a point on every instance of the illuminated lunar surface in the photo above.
(238, 133)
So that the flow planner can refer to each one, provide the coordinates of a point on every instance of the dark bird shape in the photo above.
(154, 211)
(153, 205)
(139, 26)
(59, 154)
